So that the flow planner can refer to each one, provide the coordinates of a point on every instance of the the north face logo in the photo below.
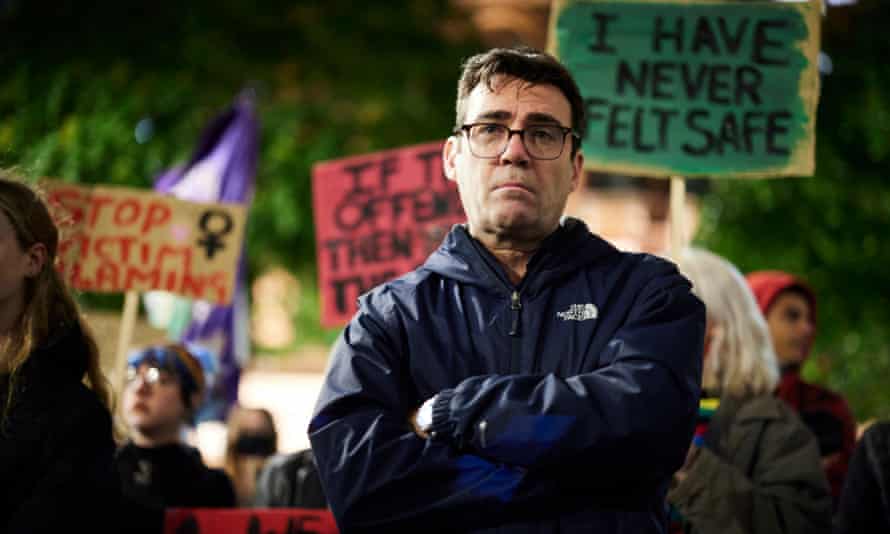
(578, 312)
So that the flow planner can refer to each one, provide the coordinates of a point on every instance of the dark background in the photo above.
(337, 78)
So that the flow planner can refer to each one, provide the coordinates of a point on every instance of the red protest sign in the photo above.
(377, 216)
(248, 521)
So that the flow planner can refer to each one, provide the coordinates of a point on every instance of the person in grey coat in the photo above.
(753, 466)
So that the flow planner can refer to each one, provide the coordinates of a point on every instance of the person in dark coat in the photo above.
(165, 385)
(865, 501)
(251, 439)
(753, 466)
(56, 438)
(789, 305)
(528, 377)
(290, 481)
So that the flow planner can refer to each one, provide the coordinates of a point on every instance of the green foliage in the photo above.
(831, 228)
(333, 79)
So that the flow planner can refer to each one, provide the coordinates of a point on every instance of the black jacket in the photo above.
(171, 476)
(865, 501)
(290, 481)
(564, 403)
(56, 447)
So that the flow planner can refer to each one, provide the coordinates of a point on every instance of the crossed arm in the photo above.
(508, 440)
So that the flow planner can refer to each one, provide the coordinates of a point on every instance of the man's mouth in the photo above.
(513, 185)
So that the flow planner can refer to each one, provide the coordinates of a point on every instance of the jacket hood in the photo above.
(767, 285)
(571, 246)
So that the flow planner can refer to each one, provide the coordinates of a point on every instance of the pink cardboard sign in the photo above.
(377, 216)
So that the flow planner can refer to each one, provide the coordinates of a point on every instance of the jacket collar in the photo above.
(571, 246)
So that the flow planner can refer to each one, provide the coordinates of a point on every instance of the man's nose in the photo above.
(515, 152)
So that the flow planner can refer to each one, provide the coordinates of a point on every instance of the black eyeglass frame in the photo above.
(521, 133)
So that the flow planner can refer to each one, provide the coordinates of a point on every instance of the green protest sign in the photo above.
(693, 88)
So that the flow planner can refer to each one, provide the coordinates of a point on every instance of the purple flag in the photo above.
(221, 169)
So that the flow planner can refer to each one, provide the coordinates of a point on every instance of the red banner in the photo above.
(377, 216)
(249, 521)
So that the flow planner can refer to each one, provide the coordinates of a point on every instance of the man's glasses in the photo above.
(150, 376)
(489, 140)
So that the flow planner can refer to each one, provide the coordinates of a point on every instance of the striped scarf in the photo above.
(707, 406)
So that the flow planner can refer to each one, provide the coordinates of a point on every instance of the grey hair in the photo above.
(740, 360)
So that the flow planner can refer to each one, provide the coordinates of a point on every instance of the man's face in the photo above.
(514, 195)
(791, 327)
(153, 405)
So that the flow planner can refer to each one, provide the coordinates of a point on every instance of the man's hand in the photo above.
(417, 430)
(422, 418)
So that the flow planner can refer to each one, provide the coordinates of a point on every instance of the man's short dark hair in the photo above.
(527, 64)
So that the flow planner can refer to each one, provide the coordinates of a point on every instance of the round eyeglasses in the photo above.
(489, 140)
(150, 376)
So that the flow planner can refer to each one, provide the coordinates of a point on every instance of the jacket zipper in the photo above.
(516, 307)
(515, 333)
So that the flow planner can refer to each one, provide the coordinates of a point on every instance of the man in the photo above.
(165, 385)
(557, 378)
(789, 305)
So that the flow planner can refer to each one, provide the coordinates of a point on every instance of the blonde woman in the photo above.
(56, 443)
(753, 466)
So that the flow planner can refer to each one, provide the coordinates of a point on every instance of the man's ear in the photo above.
(36, 259)
(449, 155)
(577, 169)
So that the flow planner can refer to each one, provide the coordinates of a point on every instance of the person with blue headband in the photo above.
(165, 387)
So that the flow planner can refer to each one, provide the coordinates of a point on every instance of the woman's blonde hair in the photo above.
(48, 303)
(740, 359)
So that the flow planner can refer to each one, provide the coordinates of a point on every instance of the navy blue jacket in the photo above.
(564, 403)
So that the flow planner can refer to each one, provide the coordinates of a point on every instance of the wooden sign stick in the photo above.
(678, 216)
(125, 337)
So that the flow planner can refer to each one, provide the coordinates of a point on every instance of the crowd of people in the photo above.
(65, 463)
(528, 377)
